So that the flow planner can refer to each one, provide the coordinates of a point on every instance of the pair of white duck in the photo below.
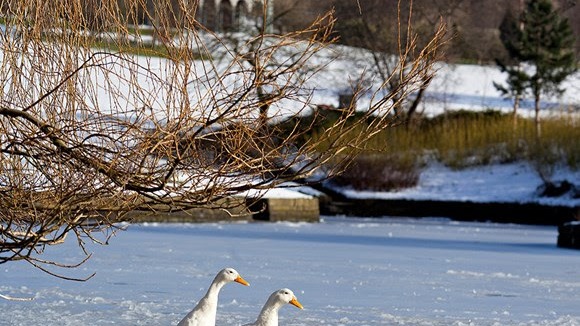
(204, 314)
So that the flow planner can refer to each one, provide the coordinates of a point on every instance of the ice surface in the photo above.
(344, 271)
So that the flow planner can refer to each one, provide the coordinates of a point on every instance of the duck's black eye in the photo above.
(286, 293)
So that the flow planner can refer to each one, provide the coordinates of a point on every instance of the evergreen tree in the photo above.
(510, 34)
(544, 42)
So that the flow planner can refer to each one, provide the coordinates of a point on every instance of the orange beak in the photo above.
(295, 302)
(240, 280)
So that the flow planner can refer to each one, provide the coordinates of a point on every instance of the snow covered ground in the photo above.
(509, 183)
(344, 271)
(454, 87)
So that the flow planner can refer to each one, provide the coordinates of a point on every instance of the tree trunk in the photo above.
(515, 113)
(537, 116)
(420, 93)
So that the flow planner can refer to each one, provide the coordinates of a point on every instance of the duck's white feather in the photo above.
(204, 313)
(269, 314)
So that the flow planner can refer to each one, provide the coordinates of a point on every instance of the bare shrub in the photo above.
(380, 172)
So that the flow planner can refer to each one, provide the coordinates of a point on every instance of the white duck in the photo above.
(204, 313)
(269, 314)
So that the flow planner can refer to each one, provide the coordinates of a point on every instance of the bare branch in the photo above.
(102, 118)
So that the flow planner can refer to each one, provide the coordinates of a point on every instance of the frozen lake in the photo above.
(344, 272)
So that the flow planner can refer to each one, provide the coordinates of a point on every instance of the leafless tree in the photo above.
(380, 28)
(97, 122)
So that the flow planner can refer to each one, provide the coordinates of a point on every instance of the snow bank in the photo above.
(515, 182)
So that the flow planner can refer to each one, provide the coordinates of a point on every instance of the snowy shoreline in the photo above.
(502, 193)
(498, 183)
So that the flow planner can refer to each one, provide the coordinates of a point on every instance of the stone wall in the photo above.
(499, 212)
(236, 211)
(286, 209)
(265, 209)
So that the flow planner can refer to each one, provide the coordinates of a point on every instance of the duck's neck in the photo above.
(269, 314)
(214, 291)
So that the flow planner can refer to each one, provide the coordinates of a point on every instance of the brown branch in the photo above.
(108, 133)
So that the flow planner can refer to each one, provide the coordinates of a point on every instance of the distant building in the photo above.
(226, 15)
(216, 15)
